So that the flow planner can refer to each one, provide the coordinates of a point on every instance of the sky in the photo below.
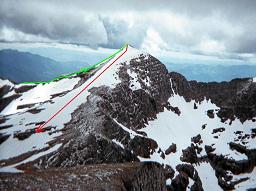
(206, 29)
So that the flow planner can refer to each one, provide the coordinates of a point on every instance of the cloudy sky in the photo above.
(226, 29)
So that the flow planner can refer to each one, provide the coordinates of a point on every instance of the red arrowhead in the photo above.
(39, 130)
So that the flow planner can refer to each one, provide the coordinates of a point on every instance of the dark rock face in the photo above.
(191, 173)
(26, 134)
(189, 154)
(235, 98)
(3, 137)
(209, 149)
(114, 177)
(24, 88)
(196, 139)
(169, 172)
(142, 146)
(171, 149)
(181, 181)
(204, 126)
(5, 101)
(221, 129)
(135, 108)
(151, 177)
(4, 90)
(173, 109)
(210, 113)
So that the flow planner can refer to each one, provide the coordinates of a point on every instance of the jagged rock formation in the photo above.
(236, 98)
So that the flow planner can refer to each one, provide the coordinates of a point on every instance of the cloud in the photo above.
(123, 29)
(153, 42)
(12, 35)
(52, 22)
(206, 27)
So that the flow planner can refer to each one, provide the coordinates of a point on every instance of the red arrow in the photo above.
(40, 129)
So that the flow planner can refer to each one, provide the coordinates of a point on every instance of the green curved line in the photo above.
(81, 71)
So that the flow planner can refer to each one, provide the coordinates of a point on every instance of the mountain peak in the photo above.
(129, 45)
(132, 53)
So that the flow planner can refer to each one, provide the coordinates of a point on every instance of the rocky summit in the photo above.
(136, 127)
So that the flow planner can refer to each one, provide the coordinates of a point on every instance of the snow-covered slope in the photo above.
(133, 111)
(171, 128)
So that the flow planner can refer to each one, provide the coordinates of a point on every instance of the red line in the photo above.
(39, 129)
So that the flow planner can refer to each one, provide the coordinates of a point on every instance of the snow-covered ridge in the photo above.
(40, 93)
(5, 83)
(254, 79)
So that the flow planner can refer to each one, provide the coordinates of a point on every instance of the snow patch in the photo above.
(131, 132)
(118, 143)
(134, 83)
(11, 93)
(190, 183)
(207, 176)
(168, 181)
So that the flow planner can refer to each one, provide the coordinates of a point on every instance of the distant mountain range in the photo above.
(211, 73)
(23, 66)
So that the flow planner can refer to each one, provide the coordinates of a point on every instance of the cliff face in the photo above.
(135, 112)
(236, 98)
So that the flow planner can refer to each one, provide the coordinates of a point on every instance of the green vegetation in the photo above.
(81, 71)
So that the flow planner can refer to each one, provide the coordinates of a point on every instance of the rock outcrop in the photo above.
(114, 177)
(235, 98)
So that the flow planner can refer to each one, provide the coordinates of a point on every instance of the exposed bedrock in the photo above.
(148, 176)
(235, 98)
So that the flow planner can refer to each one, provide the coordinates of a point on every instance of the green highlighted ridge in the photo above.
(81, 71)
